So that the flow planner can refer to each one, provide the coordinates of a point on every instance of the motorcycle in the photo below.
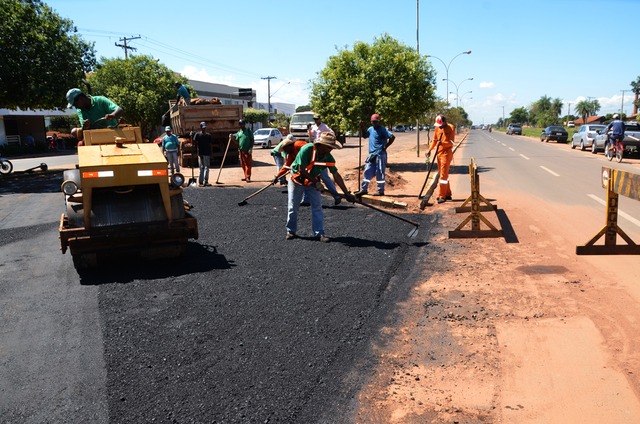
(5, 166)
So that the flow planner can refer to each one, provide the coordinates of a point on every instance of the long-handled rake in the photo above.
(244, 201)
(412, 234)
(223, 159)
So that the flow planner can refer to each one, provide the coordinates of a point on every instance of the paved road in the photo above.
(245, 328)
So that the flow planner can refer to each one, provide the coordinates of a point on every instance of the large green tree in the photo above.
(587, 108)
(386, 77)
(42, 56)
(545, 111)
(519, 115)
(140, 85)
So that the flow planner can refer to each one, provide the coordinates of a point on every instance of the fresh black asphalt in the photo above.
(247, 327)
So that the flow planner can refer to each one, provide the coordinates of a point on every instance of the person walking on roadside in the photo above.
(244, 140)
(380, 139)
(315, 132)
(306, 169)
(202, 139)
(171, 147)
(444, 133)
(183, 92)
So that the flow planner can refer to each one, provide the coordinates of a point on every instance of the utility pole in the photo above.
(622, 104)
(268, 96)
(125, 47)
(417, 51)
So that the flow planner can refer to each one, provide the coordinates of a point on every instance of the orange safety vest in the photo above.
(297, 178)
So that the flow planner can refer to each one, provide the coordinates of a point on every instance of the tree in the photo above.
(583, 107)
(305, 108)
(635, 85)
(253, 116)
(386, 77)
(42, 56)
(519, 115)
(545, 111)
(140, 85)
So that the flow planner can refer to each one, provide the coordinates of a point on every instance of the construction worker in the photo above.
(315, 131)
(203, 140)
(290, 148)
(182, 92)
(244, 140)
(94, 112)
(171, 148)
(306, 169)
(380, 139)
(445, 134)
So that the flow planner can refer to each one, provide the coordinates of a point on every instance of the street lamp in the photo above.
(446, 67)
(273, 94)
(457, 88)
(462, 97)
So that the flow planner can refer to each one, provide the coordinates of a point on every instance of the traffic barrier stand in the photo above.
(616, 182)
(476, 216)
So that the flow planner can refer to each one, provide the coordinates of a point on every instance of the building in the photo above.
(16, 125)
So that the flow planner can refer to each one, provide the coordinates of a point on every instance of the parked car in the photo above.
(514, 129)
(631, 136)
(585, 135)
(400, 128)
(554, 132)
(267, 137)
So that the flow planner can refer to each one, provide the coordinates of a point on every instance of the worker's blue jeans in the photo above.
(203, 163)
(279, 162)
(314, 197)
(376, 169)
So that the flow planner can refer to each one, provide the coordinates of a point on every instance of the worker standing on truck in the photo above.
(202, 140)
(306, 168)
(244, 139)
(182, 92)
(171, 148)
(94, 112)
(315, 131)
(380, 139)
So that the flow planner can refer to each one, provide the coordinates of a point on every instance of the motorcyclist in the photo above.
(617, 130)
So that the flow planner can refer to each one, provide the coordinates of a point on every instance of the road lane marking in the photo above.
(621, 213)
(524, 156)
(512, 149)
(549, 171)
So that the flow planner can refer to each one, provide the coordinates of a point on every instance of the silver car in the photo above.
(585, 135)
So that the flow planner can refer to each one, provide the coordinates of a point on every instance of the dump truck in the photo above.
(120, 200)
(221, 121)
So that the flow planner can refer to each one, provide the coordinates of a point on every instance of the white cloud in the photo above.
(487, 84)
(197, 74)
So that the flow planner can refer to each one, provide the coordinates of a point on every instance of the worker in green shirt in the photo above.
(244, 140)
(94, 112)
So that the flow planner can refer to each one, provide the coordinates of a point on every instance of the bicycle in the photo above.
(616, 149)
(5, 166)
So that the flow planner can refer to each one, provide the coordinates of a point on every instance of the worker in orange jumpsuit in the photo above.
(444, 133)
(291, 148)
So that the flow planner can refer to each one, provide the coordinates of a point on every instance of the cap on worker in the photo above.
(616, 116)
(286, 142)
(375, 117)
(167, 128)
(241, 122)
(71, 96)
(438, 122)
(316, 116)
(203, 125)
(329, 139)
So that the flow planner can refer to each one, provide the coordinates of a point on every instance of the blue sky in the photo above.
(521, 50)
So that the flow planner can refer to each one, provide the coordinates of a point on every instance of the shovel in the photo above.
(223, 159)
(412, 234)
(244, 201)
(192, 180)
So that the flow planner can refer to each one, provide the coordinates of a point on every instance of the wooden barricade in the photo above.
(476, 216)
(616, 182)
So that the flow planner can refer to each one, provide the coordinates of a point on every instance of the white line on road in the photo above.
(622, 214)
(512, 149)
(524, 156)
(549, 171)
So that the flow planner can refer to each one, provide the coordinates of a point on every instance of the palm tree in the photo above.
(635, 85)
(583, 107)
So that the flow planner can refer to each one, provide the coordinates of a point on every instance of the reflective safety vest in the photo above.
(298, 179)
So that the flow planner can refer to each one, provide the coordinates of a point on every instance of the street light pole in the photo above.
(418, 52)
(457, 88)
(446, 67)
(268, 97)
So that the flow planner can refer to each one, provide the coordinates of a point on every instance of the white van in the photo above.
(299, 123)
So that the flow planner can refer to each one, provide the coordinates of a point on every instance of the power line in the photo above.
(125, 47)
